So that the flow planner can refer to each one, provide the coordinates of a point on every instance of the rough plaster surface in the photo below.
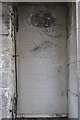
(43, 76)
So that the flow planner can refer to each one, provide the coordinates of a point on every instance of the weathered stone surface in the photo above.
(0, 99)
(5, 99)
(71, 18)
(78, 41)
(5, 64)
(6, 42)
(78, 14)
(0, 8)
(8, 65)
(72, 47)
(5, 113)
(0, 114)
(78, 51)
(6, 78)
(72, 63)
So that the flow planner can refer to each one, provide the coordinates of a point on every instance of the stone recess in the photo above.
(7, 75)
(7, 60)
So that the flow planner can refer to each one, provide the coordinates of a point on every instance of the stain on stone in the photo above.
(42, 18)
(50, 32)
(37, 48)
(55, 45)
(62, 94)
(58, 71)
(43, 46)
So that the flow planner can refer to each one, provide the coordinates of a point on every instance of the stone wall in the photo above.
(78, 49)
(6, 60)
(72, 62)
